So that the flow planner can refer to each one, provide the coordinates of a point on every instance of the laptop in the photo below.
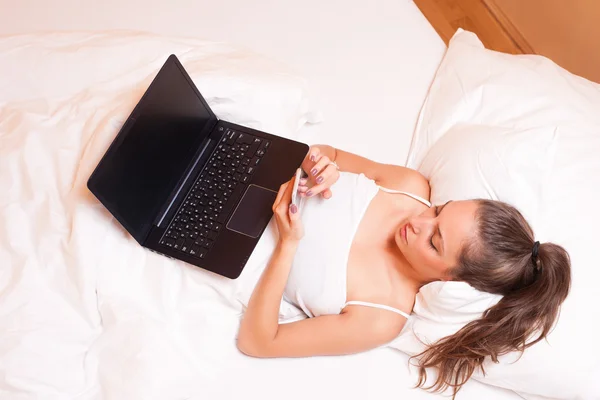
(190, 186)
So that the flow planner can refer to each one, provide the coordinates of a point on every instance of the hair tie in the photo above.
(534, 254)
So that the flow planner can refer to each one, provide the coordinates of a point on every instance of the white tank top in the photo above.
(317, 280)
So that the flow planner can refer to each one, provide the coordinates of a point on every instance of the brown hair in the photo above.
(500, 261)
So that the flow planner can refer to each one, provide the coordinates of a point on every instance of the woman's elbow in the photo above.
(250, 347)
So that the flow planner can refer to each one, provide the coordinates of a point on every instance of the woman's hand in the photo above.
(287, 215)
(322, 172)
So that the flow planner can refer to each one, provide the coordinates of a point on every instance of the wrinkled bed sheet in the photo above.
(85, 312)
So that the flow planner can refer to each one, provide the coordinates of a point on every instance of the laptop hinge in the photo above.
(202, 155)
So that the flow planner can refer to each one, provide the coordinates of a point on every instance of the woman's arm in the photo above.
(261, 319)
(351, 332)
(387, 175)
(261, 335)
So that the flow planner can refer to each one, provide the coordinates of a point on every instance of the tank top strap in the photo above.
(414, 196)
(375, 305)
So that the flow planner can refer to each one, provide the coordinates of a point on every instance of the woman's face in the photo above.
(431, 242)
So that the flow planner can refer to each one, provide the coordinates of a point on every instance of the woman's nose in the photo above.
(421, 223)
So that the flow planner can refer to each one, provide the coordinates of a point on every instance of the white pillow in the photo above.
(522, 130)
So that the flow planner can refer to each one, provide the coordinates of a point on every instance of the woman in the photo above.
(369, 249)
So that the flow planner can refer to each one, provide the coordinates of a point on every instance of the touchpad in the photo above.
(253, 212)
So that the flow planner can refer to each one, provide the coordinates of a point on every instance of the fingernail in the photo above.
(320, 179)
(313, 171)
(309, 193)
(303, 181)
(293, 209)
(312, 158)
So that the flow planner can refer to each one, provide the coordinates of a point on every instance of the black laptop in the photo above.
(187, 185)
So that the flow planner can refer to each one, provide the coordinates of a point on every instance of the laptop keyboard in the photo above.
(215, 192)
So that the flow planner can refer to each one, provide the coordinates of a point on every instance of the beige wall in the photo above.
(566, 31)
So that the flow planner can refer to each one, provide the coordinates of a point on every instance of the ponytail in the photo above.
(533, 288)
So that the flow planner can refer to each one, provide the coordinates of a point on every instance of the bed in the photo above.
(88, 314)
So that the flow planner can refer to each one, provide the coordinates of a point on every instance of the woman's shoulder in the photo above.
(396, 294)
(415, 183)
(383, 323)
(406, 180)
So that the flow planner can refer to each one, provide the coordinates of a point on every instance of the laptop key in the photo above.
(244, 138)
(231, 136)
(194, 250)
(185, 248)
(187, 245)
(257, 142)
(235, 195)
(178, 243)
(245, 179)
(212, 235)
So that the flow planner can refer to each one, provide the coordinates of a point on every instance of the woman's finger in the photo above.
(321, 164)
(326, 174)
(286, 197)
(314, 153)
(324, 185)
(302, 189)
(326, 193)
(280, 193)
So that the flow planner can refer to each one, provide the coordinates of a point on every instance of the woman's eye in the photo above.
(431, 243)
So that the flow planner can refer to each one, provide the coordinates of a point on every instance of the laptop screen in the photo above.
(151, 154)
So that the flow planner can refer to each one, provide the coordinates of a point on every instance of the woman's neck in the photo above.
(402, 268)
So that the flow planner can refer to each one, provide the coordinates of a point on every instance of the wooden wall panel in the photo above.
(566, 31)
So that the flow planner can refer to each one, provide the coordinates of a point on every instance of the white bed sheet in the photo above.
(369, 67)
(368, 64)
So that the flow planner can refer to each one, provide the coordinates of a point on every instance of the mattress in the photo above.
(368, 68)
